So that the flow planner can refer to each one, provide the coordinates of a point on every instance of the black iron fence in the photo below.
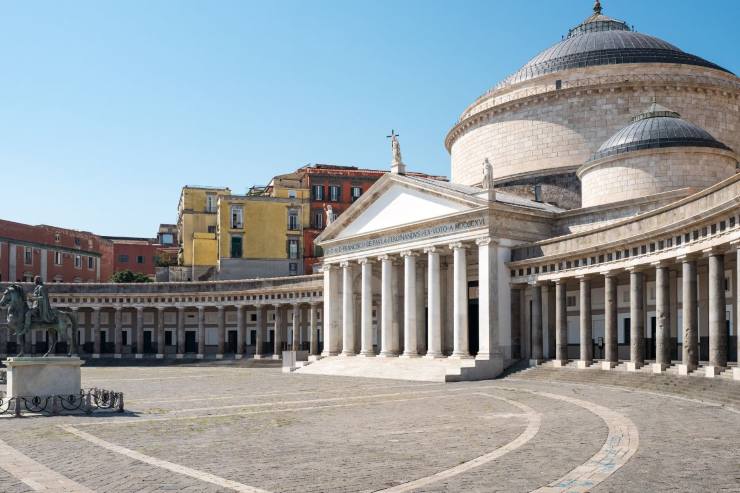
(87, 402)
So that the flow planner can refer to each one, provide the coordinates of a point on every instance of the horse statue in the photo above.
(59, 324)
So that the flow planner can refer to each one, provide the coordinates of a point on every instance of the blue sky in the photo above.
(108, 108)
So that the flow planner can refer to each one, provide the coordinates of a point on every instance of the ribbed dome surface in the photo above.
(601, 40)
(658, 127)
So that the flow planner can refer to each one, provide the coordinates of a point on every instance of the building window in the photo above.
(293, 220)
(123, 259)
(78, 262)
(356, 192)
(236, 247)
(571, 301)
(317, 192)
(291, 194)
(57, 237)
(168, 338)
(139, 259)
(28, 256)
(318, 219)
(237, 217)
(57, 258)
(124, 337)
(293, 268)
(293, 249)
(335, 193)
(91, 263)
(77, 242)
(211, 202)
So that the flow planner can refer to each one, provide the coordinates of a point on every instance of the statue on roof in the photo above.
(330, 216)
(487, 175)
(397, 166)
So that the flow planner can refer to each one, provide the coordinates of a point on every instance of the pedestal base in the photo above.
(559, 364)
(219, 356)
(633, 366)
(409, 355)
(139, 356)
(258, 356)
(685, 370)
(608, 365)
(29, 377)
(713, 371)
(659, 367)
(117, 356)
(199, 356)
(536, 362)
(160, 356)
(179, 356)
(276, 356)
(582, 364)
(736, 373)
(238, 356)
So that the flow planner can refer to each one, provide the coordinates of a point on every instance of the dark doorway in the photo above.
(252, 338)
(231, 342)
(148, 342)
(650, 342)
(190, 345)
(473, 341)
(105, 346)
(236, 247)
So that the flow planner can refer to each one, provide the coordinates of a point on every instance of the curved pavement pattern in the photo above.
(257, 430)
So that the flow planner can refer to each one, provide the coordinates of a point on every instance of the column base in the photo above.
(713, 371)
(179, 356)
(387, 354)
(276, 356)
(536, 362)
(367, 354)
(560, 363)
(314, 357)
(659, 367)
(347, 354)
(160, 356)
(434, 355)
(139, 356)
(634, 366)
(95, 356)
(736, 373)
(199, 356)
(219, 356)
(409, 355)
(685, 370)
(460, 356)
(238, 356)
(117, 356)
(330, 353)
(608, 365)
(583, 364)
(258, 356)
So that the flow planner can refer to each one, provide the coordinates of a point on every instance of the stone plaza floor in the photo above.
(236, 428)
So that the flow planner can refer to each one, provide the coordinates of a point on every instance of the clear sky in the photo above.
(108, 108)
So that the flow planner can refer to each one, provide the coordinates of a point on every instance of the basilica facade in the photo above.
(593, 218)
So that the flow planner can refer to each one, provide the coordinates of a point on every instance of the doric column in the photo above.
(241, 331)
(662, 319)
(221, 321)
(96, 333)
(637, 319)
(74, 342)
(488, 343)
(139, 332)
(348, 311)
(561, 324)
(736, 294)
(586, 340)
(420, 304)
(180, 332)
(717, 322)
(332, 313)
(388, 347)
(460, 301)
(537, 339)
(611, 356)
(366, 308)
(296, 343)
(160, 332)
(117, 333)
(259, 343)
(277, 346)
(314, 337)
(410, 321)
(689, 306)
(434, 305)
(201, 332)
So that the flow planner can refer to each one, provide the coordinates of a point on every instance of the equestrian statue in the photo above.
(60, 325)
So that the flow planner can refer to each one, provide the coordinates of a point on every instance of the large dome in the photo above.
(657, 127)
(601, 40)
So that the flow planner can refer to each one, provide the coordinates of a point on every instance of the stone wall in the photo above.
(533, 127)
(652, 171)
(562, 190)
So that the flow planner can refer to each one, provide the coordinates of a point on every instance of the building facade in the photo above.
(136, 254)
(55, 254)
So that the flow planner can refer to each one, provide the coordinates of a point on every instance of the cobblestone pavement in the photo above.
(229, 428)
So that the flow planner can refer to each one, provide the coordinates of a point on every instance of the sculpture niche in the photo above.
(60, 325)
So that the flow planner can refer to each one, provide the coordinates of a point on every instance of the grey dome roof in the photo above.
(601, 40)
(656, 128)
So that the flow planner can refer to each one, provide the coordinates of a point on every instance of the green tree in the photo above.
(126, 276)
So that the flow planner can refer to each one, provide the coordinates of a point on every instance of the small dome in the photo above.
(601, 40)
(657, 127)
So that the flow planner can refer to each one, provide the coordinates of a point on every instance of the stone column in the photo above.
(139, 332)
(662, 319)
(587, 349)
(296, 344)
(332, 313)
(397, 290)
(537, 339)
(348, 311)
(460, 301)
(180, 332)
(434, 305)
(96, 333)
(690, 347)
(117, 334)
(736, 294)
(409, 306)
(201, 332)
(221, 321)
(421, 330)
(611, 355)
(366, 308)
(637, 320)
(388, 346)
(241, 331)
(561, 324)
(259, 343)
(488, 343)
(75, 342)
(277, 346)
(717, 322)
(314, 337)
(160, 332)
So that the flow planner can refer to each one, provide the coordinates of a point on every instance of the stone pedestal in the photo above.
(736, 373)
(608, 365)
(583, 364)
(685, 370)
(30, 377)
(631, 366)
(659, 367)
(713, 371)
(559, 364)
(536, 362)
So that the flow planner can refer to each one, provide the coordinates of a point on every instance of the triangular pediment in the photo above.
(395, 201)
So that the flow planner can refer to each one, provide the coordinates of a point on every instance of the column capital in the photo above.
(661, 263)
(458, 245)
(409, 253)
(486, 241)
(314, 304)
(688, 257)
(180, 309)
(609, 273)
(96, 309)
(201, 308)
(560, 280)
(345, 263)
(432, 249)
(383, 258)
(365, 260)
(715, 250)
(160, 309)
(636, 269)
(328, 267)
(585, 277)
